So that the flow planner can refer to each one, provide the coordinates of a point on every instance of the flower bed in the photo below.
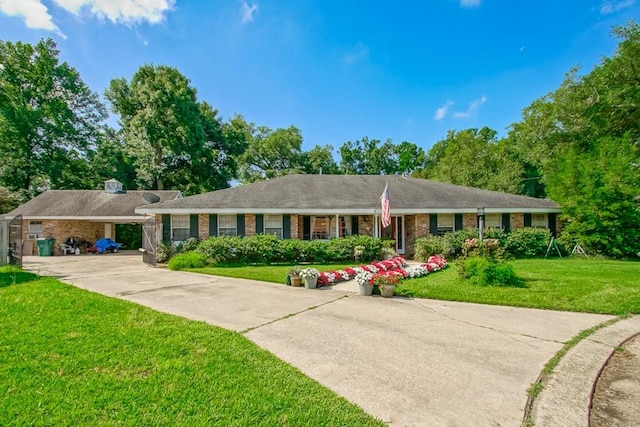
(394, 267)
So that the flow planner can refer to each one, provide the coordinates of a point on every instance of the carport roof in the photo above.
(88, 204)
(350, 194)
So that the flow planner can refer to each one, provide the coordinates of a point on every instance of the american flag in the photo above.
(386, 207)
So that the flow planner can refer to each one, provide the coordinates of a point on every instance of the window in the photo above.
(539, 220)
(227, 225)
(35, 229)
(493, 221)
(273, 225)
(179, 227)
(445, 223)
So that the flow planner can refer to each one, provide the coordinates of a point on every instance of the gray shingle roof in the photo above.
(297, 193)
(87, 203)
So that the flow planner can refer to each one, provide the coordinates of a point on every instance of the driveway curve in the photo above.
(409, 362)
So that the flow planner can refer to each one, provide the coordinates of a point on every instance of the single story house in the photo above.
(84, 214)
(326, 206)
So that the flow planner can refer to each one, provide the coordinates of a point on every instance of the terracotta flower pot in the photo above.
(387, 290)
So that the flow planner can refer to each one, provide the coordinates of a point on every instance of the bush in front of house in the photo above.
(527, 242)
(220, 250)
(424, 247)
(187, 260)
(164, 252)
(265, 249)
(487, 271)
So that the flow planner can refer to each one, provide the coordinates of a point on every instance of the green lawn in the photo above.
(266, 273)
(571, 284)
(71, 357)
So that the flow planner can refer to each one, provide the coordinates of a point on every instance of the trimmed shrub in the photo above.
(188, 260)
(259, 249)
(220, 250)
(424, 247)
(527, 242)
(164, 252)
(454, 242)
(187, 245)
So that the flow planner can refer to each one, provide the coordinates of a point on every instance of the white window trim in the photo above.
(34, 234)
(173, 227)
(546, 220)
(451, 228)
(234, 222)
(271, 229)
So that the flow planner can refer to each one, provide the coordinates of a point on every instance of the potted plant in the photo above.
(365, 285)
(294, 276)
(386, 283)
(310, 276)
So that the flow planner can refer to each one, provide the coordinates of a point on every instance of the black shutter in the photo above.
(193, 225)
(240, 225)
(259, 224)
(354, 225)
(527, 220)
(166, 227)
(286, 226)
(506, 222)
(458, 222)
(552, 224)
(213, 225)
(306, 227)
(433, 224)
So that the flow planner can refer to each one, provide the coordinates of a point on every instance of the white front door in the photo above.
(107, 231)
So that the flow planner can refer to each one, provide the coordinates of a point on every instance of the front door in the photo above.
(395, 232)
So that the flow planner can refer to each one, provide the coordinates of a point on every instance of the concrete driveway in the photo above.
(409, 362)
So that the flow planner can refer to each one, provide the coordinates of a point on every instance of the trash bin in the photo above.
(45, 246)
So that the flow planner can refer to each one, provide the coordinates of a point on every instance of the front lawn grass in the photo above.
(265, 273)
(570, 284)
(71, 357)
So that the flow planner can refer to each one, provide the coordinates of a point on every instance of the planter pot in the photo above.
(310, 282)
(387, 290)
(365, 289)
(296, 281)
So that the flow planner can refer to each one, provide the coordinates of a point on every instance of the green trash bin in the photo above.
(45, 247)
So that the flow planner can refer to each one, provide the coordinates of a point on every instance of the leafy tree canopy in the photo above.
(174, 141)
(49, 120)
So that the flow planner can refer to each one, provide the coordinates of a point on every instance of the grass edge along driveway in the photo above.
(72, 357)
(568, 284)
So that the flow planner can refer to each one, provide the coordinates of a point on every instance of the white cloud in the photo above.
(610, 7)
(470, 3)
(121, 11)
(247, 11)
(360, 52)
(36, 15)
(442, 111)
(473, 107)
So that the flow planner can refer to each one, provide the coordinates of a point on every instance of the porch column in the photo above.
(337, 225)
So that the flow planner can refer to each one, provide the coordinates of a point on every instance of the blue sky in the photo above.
(338, 70)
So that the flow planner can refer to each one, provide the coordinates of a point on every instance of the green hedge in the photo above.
(519, 243)
(187, 260)
(266, 249)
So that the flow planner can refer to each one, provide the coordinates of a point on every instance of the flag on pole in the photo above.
(386, 207)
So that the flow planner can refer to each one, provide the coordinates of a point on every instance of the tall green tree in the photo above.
(474, 158)
(584, 139)
(7, 201)
(49, 120)
(271, 153)
(410, 157)
(368, 157)
(175, 141)
(320, 160)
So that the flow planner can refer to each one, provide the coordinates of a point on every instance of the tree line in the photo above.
(578, 145)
